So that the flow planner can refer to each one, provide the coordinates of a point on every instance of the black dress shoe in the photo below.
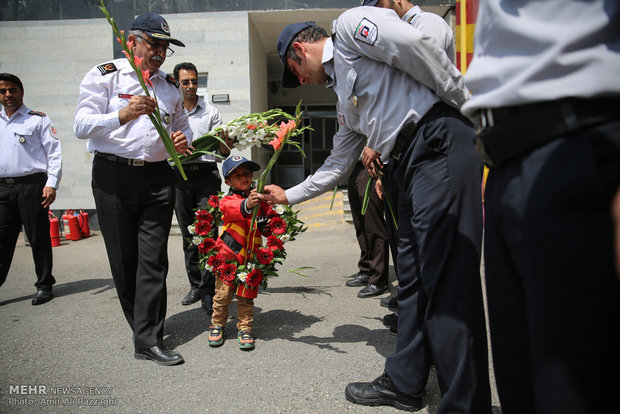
(381, 392)
(207, 304)
(372, 290)
(43, 295)
(390, 302)
(159, 355)
(192, 296)
(390, 319)
(361, 279)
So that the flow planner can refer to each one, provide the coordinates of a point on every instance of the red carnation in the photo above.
(277, 225)
(264, 256)
(274, 243)
(216, 261)
(203, 215)
(214, 201)
(206, 246)
(254, 278)
(203, 228)
(228, 272)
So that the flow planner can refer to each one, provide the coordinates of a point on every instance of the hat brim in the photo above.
(289, 80)
(252, 166)
(172, 40)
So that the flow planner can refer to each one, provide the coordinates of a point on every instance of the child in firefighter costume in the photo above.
(236, 210)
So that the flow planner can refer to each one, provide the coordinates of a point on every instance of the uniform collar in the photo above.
(411, 14)
(20, 111)
(327, 60)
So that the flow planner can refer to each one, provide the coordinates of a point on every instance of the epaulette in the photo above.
(41, 114)
(172, 80)
(107, 68)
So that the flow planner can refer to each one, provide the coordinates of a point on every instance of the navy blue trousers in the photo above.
(553, 293)
(441, 313)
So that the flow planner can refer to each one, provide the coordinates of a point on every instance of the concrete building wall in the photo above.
(52, 57)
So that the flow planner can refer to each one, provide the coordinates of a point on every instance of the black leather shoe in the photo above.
(361, 279)
(390, 302)
(381, 392)
(159, 355)
(192, 296)
(372, 290)
(207, 304)
(43, 295)
(390, 319)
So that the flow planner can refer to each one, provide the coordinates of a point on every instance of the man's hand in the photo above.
(273, 195)
(138, 105)
(230, 144)
(368, 158)
(49, 196)
(379, 189)
(180, 143)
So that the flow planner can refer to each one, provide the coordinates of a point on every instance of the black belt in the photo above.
(23, 179)
(504, 133)
(406, 133)
(199, 166)
(127, 161)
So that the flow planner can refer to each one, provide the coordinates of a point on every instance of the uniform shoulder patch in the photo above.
(38, 113)
(366, 31)
(107, 68)
(172, 80)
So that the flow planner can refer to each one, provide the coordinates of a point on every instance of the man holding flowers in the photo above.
(133, 184)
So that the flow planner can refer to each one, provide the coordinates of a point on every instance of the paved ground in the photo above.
(313, 337)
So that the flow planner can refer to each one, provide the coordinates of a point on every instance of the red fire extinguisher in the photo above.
(83, 222)
(71, 225)
(54, 229)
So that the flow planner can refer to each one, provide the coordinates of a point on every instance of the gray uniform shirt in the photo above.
(531, 51)
(386, 74)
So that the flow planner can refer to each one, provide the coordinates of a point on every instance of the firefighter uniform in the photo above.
(133, 187)
(30, 159)
(546, 97)
(396, 87)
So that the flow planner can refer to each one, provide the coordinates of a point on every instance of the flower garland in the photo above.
(282, 226)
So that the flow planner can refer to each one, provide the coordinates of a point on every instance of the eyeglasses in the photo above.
(187, 82)
(13, 91)
(157, 48)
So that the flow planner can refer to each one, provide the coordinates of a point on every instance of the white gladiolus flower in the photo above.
(196, 240)
(192, 229)
(279, 208)
(285, 238)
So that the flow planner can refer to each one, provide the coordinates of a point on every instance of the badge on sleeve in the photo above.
(53, 132)
(366, 31)
(107, 68)
(22, 139)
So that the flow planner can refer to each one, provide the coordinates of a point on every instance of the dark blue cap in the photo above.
(231, 163)
(289, 80)
(369, 2)
(155, 26)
